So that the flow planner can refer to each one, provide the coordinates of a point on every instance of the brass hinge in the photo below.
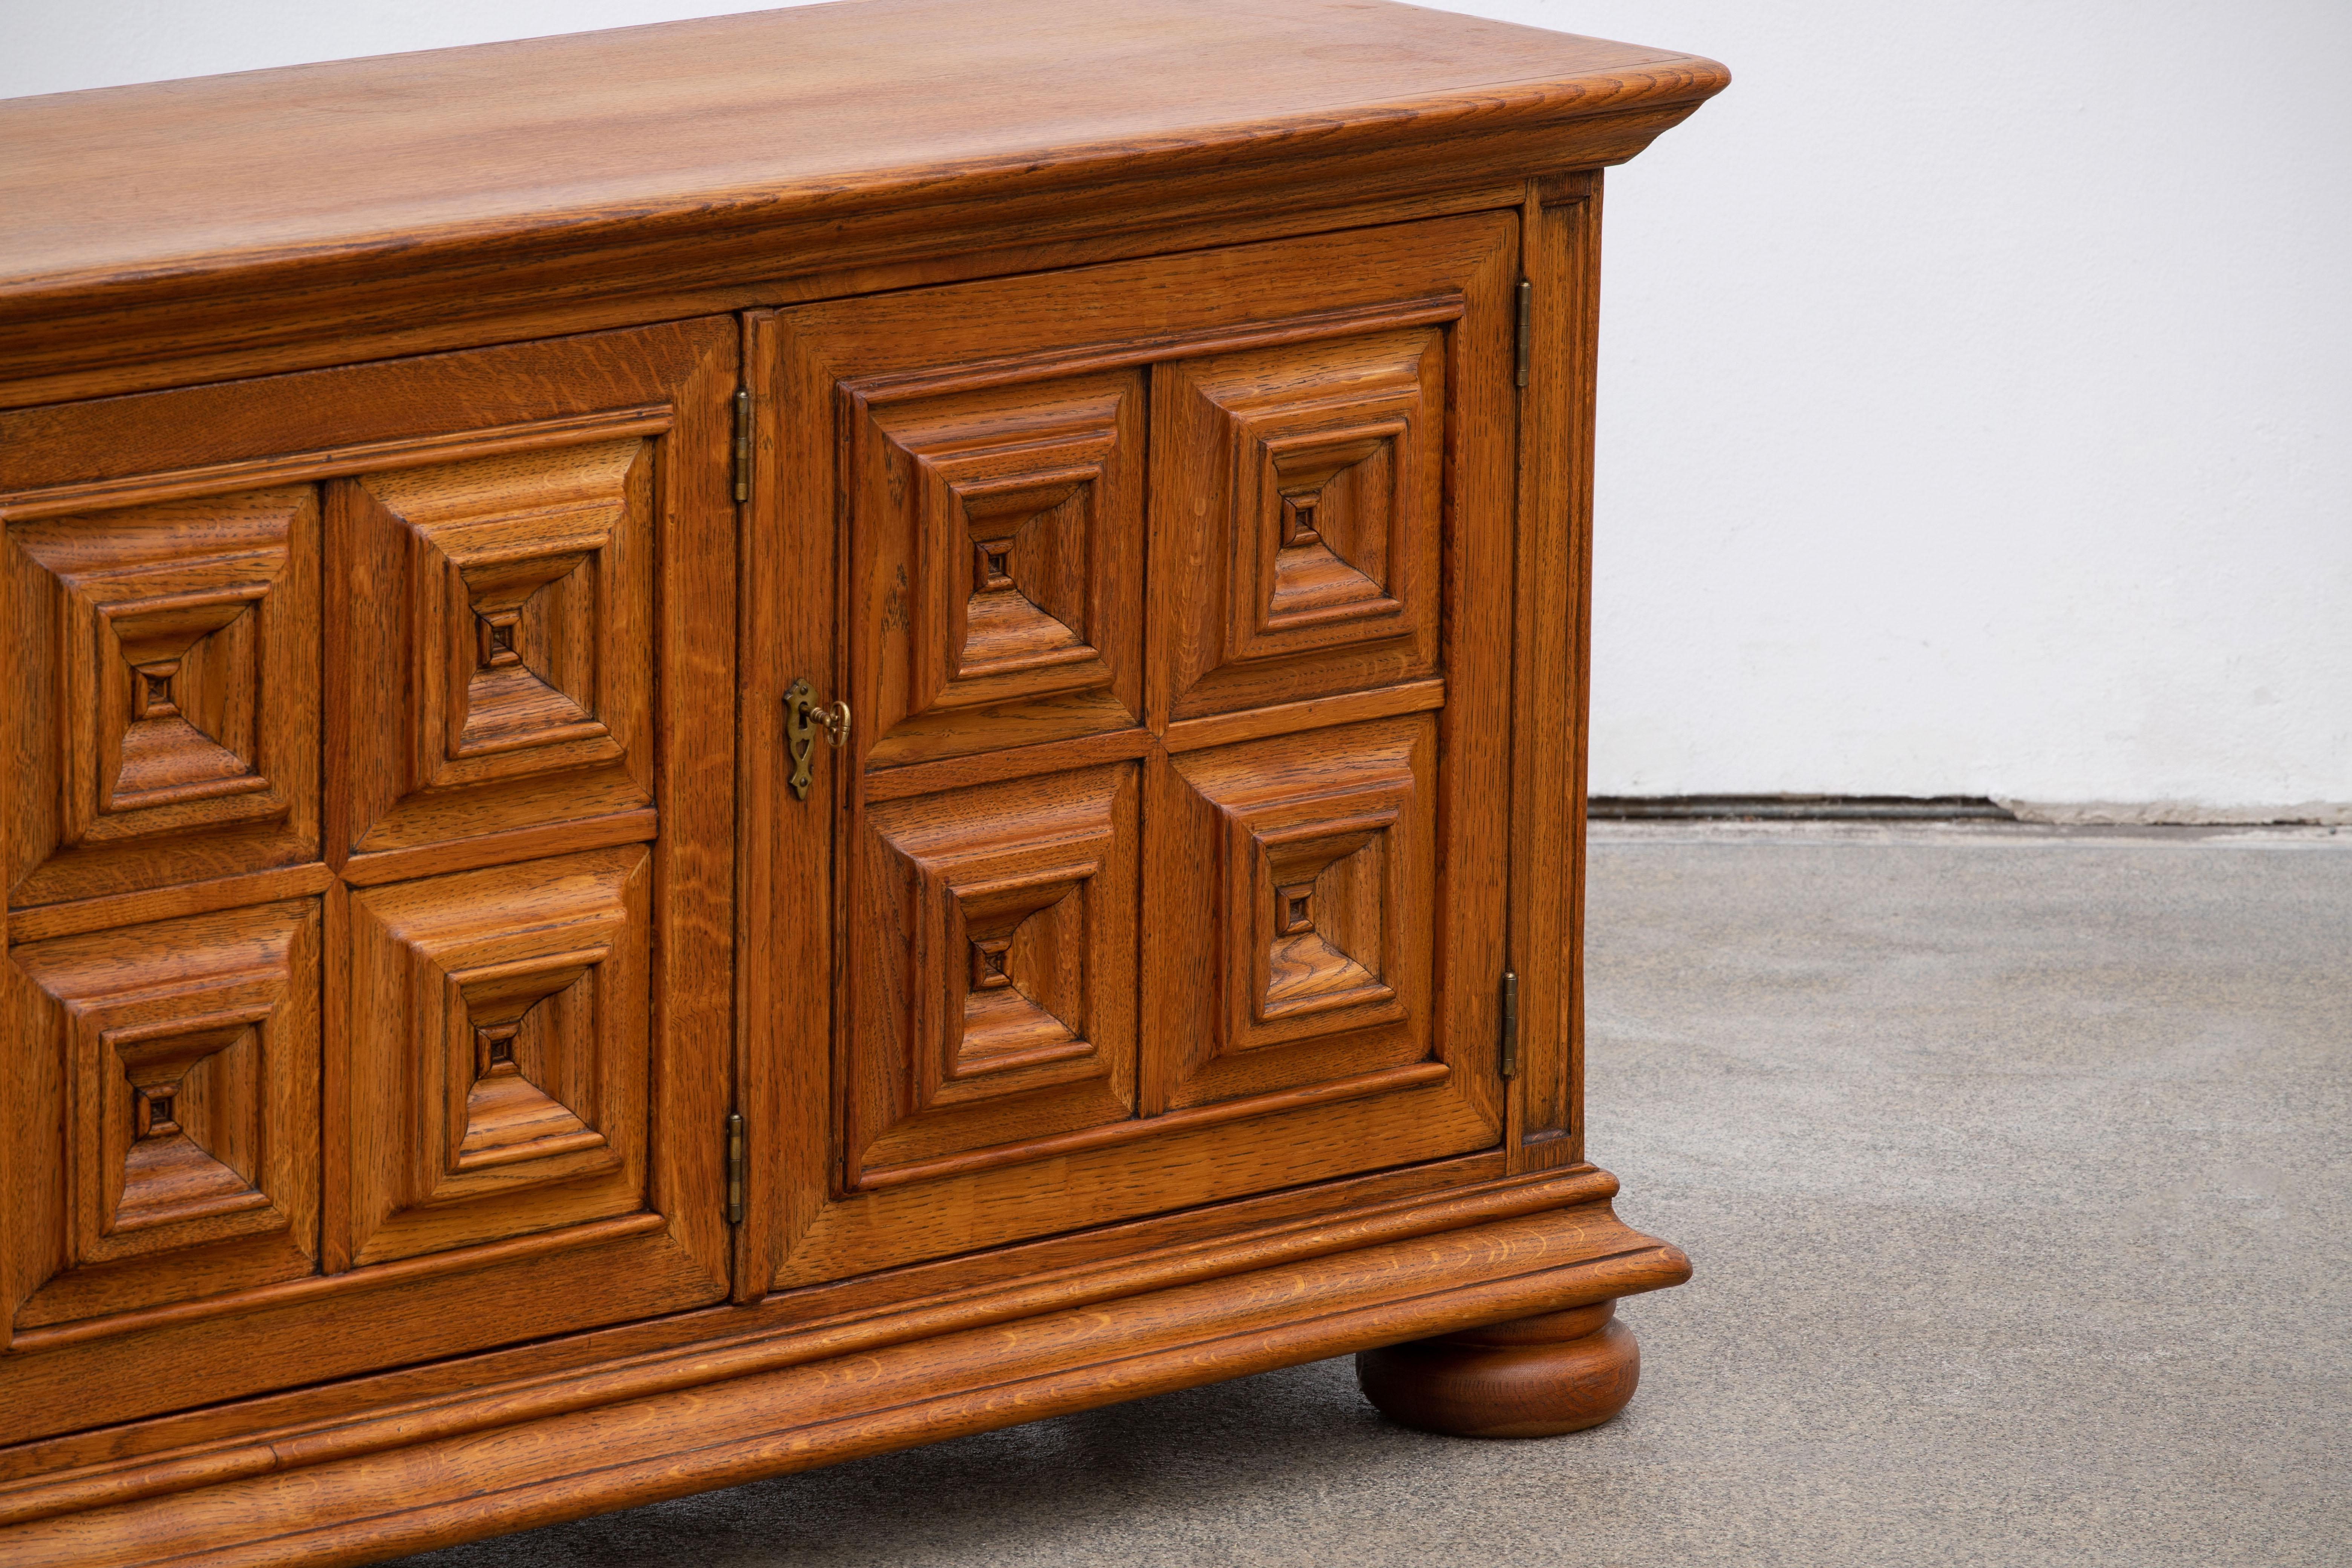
(1527, 326)
(734, 1167)
(744, 444)
(1510, 1023)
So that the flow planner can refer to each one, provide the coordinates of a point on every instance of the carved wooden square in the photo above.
(1297, 524)
(500, 1046)
(1292, 883)
(181, 739)
(499, 641)
(1011, 1010)
(185, 1059)
(998, 531)
(1315, 887)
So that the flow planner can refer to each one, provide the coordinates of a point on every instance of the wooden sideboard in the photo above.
(736, 743)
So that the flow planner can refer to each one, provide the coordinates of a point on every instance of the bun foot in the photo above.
(1532, 1377)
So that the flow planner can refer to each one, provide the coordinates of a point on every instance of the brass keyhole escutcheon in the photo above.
(802, 720)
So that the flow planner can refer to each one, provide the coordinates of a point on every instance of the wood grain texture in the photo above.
(680, 160)
(1552, 653)
(991, 950)
(164, 1097)
(454, 1088)
(727, 1422)
(980, 492)
(170, 655)
(1197, 1243)
(1532, 1377)
(405, 870)
(499, 635)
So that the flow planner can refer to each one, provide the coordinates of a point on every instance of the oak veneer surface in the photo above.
(198, 230)
(801, 106)
(470, 1064)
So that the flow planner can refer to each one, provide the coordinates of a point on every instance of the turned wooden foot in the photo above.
(1532, 1377)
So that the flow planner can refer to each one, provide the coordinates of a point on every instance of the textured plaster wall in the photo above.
(1976, 383)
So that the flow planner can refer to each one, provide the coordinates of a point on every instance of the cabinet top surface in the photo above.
(834, 106)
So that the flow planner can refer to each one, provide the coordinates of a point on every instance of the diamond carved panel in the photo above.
(1004, 1008)
(185, 1061)
(501, 1048)
(999, 533)
(1023, 1000)
(1297, 531)
(499, 641)
(1327, 933)
(1295, 875)
(188, 1147)
(1331, 508)
(182, 741)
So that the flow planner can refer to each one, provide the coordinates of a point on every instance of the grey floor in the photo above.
(2014, 1165)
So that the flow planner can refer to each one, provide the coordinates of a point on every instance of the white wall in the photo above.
(1976, 382)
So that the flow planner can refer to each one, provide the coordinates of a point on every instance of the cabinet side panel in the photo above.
(1555, 537)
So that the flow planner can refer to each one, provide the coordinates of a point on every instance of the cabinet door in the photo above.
(1170, 602)
(366, 846)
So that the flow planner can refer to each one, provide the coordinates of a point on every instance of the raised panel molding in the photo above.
(177, 642)
(1290, 891)
(1298, 524)
(994, 985)
(500, 1045)
(164, 1092)
(1000, 536)
(452, 1079)
(497, 645)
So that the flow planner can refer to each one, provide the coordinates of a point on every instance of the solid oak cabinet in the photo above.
(735, 743)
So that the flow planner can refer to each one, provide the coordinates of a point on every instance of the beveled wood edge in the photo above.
(588, 1233)
(370, 457)
(1560, 234)
(38, 922)
(1413, 1074)
(899, 781)
(886, 387)
(723, 1354)
(268, 323)
(1115, 1332)
(1662, 80)
(936, 774)
(1311, 713)
(377, 867)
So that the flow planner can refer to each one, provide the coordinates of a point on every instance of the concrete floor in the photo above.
(2016, 1165)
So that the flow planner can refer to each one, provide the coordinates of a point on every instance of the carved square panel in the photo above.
(499, 647)
(1291, 898)
(1298, 498)
(500, 1045)
(993, 997)
(999, 535)
(187, 1060)
(176, 738)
